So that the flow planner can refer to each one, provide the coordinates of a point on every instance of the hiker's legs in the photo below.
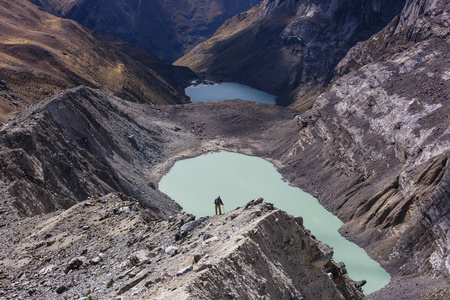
(216, 208)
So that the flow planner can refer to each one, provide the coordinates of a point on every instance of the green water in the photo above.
(195, 183)
(227, 91)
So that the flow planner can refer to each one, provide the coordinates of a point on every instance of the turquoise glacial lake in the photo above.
(227, 91)
(194, 183)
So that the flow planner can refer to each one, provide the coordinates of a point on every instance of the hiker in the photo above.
(218, 202)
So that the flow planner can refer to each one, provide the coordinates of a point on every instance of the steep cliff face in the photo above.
(415, 8)
(383, 132)
(41, 54)
(167, 29)
(289, 48)
(415, 24)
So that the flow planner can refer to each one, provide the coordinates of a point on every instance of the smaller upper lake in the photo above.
(227, 91)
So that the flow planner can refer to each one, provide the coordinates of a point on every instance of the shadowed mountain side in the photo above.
(289, 48)
(167, 29)
(41, 54)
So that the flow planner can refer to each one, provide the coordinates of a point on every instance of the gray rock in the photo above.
(269, 206)
(46, 269)
(133, 283)
(202, 265)
(139, 257)
(102, 216)
(184, 271)
(207, 236)
(360, 283)
(188, 227)
(172, 250)
(342, 269)
(96, 260)
(258, 201)
(61, 289)
(74, 264)
(210, 241)
(299, 220)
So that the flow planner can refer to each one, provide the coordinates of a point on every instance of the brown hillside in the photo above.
(41, 54)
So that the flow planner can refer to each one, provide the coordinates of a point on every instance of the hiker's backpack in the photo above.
(217, 201)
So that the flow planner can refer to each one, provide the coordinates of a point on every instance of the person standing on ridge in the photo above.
(218, 202)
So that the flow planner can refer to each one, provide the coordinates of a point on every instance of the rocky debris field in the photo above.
(111, 248)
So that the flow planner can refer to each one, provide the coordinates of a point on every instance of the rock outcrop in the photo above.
(110, 247)
(289, 48)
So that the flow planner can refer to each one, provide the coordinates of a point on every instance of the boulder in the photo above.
(210, 241)
(140, 256)
(172, 250)
(188, 227)
(202, 265)
(197, 258)
(184, 270)
(299, 220)
(95, 260)
(360, 283)
(61, 289)
(207, 236)
(74, 264)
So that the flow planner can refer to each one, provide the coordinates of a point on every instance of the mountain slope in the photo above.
(83, 143)
(167, 29)
(41, 54)
(289, 48)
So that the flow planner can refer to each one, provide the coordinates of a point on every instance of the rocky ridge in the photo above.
(110, 247)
